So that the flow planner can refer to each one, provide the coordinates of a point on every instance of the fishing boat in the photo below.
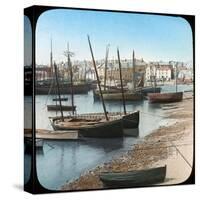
(114, 94)
(165, 97)
(95, 124)
(96, 93)
(128, 96)
(134, 178)
(57, 89)
(100, 125)
(79, 88)
(57, 108)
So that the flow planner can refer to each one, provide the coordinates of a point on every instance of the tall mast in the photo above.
(133, 61)
(106, 63)
(85, 69)
(120, 73)
(51, 60)
(176, 76)
(68, 54)
(57, 82)
(98, 82)
(71, 77)
(155, 78)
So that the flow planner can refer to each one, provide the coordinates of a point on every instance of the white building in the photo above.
(160, 71)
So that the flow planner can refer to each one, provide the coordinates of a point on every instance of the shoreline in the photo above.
(170, 145)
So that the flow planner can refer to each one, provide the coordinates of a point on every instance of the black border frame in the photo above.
(33, 13)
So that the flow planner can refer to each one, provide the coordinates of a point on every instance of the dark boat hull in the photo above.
(105, 130)
(57, 108)
(130, 122)
(134, 178)
(127, 96)
(96, 93)
(108, 129)
(165, 97)
(138, 93)
(64, 89)
(112, 128)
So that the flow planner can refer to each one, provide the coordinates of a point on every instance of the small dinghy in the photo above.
(134, 178)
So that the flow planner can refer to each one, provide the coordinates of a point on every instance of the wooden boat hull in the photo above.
(102, 130)
(116, 127)
(96, 93)
(165, 97)
(139, 93)
(105, 130)
(134, 178)
(127, 96)
(64, 89)
(57, 108)
(130, 122)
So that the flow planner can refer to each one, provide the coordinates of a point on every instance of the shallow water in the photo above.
(61, 161)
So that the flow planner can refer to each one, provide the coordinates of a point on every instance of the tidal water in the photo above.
(62, 161)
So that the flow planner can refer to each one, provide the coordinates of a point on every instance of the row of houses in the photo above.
(161, 71)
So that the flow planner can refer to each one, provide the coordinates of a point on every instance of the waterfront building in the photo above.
(159, 70)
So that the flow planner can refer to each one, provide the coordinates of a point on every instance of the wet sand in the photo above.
(170, 145)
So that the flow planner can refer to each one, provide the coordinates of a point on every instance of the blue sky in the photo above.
(153, 37)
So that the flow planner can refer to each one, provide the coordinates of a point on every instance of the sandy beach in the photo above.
(170, 145)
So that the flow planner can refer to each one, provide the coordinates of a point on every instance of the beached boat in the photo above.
(57, 108)
(165, 97)
(95, 124)
(134, 178)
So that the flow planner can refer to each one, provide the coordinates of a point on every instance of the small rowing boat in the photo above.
(134, 178)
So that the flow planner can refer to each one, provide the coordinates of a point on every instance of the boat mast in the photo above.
(106, 63)
(98, 82)
(85, 70)
(71, 77)
(176, 76)
(68, 54)
(133, 70)
(155, 78)
(51, 60)
(56, 75)
(120, 74)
